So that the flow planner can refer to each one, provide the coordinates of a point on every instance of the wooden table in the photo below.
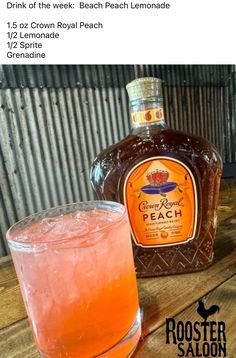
(160, 298)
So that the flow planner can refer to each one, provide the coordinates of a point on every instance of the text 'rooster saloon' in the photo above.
(203, 338)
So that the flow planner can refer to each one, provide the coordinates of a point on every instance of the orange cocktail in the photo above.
(76, 272)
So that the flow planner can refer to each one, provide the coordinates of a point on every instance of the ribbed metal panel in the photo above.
(48, 139)
(52, 76)
(198, 110)
(55, 119)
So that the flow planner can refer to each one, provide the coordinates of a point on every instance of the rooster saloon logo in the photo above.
(203, 338)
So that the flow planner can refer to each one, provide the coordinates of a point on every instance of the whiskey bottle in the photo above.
(169, 181)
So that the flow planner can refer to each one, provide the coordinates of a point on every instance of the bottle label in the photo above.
(148, 115)
(161, 199)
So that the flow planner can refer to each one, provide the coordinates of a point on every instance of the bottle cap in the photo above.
(144, 87)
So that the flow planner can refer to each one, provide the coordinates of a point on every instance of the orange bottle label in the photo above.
(161, 199)
(148, 115)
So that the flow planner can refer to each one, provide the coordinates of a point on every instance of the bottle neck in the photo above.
(147, 113)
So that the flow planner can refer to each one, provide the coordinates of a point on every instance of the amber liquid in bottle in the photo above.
(169, 181)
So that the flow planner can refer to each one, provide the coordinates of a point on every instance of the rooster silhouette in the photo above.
(204, 312)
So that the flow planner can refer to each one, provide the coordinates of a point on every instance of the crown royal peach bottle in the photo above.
(168, 180)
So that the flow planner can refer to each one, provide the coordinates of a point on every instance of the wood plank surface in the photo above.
(224, 296)
(12, 307)
(16, 341)
(161, 297)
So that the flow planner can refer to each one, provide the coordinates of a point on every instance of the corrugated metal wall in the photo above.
(55, 119)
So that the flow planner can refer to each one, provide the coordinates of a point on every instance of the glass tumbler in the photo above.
(76, 272)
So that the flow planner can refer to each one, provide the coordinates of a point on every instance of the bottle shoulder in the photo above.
(163, 141)
(136, 147)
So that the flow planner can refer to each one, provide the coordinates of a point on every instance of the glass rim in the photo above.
(72, 207)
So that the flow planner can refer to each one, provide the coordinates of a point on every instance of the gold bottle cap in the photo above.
(144, 87)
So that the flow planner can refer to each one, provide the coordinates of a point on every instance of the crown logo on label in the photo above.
(158, 177)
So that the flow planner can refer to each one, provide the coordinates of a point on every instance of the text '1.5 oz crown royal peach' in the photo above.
(168, 180)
